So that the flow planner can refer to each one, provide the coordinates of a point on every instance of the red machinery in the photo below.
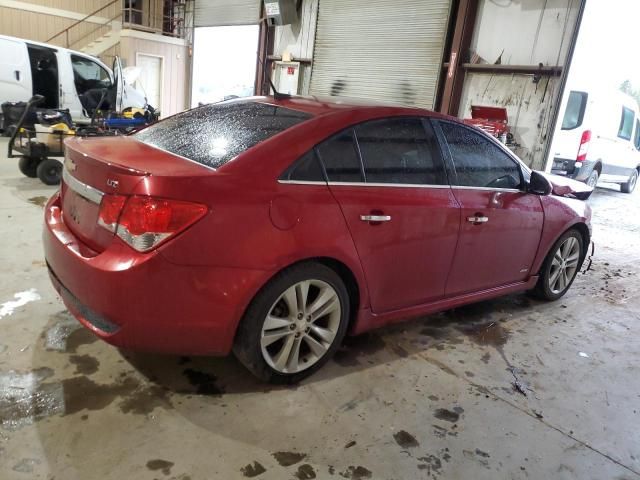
(492, 120)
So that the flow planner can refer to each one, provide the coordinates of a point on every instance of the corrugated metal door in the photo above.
(216, 13)
(381, 50)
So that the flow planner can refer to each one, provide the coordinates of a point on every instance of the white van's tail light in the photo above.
(145, 222)
(584, 147)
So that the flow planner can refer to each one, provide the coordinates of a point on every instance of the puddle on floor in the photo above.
(40, 200)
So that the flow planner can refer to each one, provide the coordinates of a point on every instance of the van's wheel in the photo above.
(592, 181)
(560, 267)
(29, 166)
(50, 171)
(630, 186)
(294, 325)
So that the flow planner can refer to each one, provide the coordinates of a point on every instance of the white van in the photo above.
(599, 139)
(66, 78)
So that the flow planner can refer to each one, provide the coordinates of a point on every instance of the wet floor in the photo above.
(494, 390)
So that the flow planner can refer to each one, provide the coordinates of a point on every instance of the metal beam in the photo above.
(460, 44)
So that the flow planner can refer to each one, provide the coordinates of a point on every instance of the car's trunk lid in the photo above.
(109, 166)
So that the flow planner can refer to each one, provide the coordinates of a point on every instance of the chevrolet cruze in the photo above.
(273, 227)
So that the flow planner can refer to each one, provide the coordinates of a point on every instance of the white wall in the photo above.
(529, 108)
(298, 40)
(529, 31)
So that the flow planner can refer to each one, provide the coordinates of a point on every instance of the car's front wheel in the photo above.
(561, 266)
(294, 324)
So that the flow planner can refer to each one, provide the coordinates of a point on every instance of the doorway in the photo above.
(224, 63)
(150, 79)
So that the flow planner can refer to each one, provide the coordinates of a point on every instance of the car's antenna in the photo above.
(276, 94)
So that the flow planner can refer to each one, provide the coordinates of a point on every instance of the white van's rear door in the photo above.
(15, 71)
(567, 141)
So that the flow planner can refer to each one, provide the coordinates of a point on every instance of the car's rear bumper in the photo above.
(143, 301)
(568, 168)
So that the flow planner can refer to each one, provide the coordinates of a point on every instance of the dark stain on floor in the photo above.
(431, 463)
(305, 472)
(204, 383)
(40, 200)
(85, 364)
(490, 333)
(163, 465)
(286, 459)
(405, 439)
(253, 470)
(78, 338)
(398, 350)
(448, 415)
(358, 346)
(356, 473)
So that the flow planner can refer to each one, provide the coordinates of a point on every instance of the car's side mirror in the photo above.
(539, 184)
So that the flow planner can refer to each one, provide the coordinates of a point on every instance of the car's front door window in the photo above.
(477, 161)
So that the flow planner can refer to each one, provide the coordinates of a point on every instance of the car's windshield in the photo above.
(214, 134)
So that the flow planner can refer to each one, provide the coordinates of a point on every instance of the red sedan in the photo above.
(272, 227)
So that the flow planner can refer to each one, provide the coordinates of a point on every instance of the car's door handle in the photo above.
(375, 218)
(17, 74)
(477, 219)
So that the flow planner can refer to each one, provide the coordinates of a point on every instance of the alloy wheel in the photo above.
(564, 265)
(592, 181)
(301, 326)
(632, 181)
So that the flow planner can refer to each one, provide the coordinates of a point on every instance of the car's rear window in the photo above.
(574, 114)
(214, 134)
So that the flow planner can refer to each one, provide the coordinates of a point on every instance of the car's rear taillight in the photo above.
(584, 146)
(145, 222)
(110, 208)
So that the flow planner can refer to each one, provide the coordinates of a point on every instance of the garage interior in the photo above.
(507, 388)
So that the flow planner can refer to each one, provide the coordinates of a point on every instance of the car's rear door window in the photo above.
(574, 113)
(400, 151)
(340, 158)
(477, 161)
(306, 169)
(214, 134)
(626, 123)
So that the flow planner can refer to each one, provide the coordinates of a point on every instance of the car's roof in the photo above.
(320, 106)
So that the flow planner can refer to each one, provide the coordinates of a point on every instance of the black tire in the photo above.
(247, 347)
(50, 171)
(630, 186)
(29, 166)
(592, 181)
(543, 288)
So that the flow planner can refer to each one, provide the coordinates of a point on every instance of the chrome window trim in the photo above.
(394, 185)
(86, 191)
(362, 184)
(302, 182)
(489, 189)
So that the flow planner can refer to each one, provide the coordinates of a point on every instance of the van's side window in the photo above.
(88, 75)
(574, 113)
(636, 140)
(626, 123)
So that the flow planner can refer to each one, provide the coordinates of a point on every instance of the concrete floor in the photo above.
(432, 398)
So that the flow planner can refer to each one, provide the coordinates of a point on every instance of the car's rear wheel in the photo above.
(294, 324)
(592, 181)
(630, 186)
(561, 266)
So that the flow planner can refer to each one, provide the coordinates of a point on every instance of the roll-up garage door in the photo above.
(216, 13)
(380, 50)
